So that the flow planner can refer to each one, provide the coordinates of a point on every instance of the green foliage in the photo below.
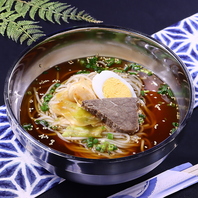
(14, 26)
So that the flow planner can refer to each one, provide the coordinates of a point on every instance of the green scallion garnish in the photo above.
(27, 126)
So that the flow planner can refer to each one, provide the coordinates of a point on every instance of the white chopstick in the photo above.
(192, 170)
(163, 184)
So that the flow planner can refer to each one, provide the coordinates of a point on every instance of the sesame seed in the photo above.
(158, 106)
(155, 127)
(51, 142)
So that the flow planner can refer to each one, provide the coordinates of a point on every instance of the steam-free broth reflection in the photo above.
(52, 110)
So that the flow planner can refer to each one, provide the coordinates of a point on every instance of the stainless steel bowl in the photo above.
(105, 41)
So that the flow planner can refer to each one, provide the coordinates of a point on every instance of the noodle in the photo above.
(70, 93)
(121, 140)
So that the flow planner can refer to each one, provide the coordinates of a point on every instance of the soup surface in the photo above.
(52, 109)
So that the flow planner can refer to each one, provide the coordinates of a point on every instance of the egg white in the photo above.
(99, 79)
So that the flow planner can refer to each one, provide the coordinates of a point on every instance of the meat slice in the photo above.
(120, 114)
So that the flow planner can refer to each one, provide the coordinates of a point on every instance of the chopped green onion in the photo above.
(42, 122)
(48, 97)
(143, 92)
(171, 104)
(44, 107)
(57, 85)
(163, 89)
(110, 61)
(82, 72)
(170, 93)
(118, 61)
(95, 141)
(118, 70)
(150, 73)
(135, 66)
(98, 147)
(175, 124)
(29, 93)
(97, 64)
(141, 118)
(132, 73)
(90, 141)
(27, 127)
(89, 144)
(82, 61)
(103, 147)
(110, 147)
(173, 130)
(127, 68)
(110, 136)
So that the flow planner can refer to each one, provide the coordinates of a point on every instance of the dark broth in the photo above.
(165, 113)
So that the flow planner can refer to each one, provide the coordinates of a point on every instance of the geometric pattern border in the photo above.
(182, 38)
(20, 175)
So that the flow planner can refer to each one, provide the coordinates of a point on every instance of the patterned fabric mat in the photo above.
(182, 38)
(21, 176)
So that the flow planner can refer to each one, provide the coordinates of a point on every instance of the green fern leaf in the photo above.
(73, 14)
(66, 14)
(11, 12)
(54, 11)
(30, 41)
(59, 9)
(17, 36)
(41, 11)
(4, 15)
(90, 19)
(3, 8)
(14, 35)
(32, 12)
(3, 27)
(49, 16)
(13, 17)
(2, 3)
(80, 13)
(9, 4)
(34, 38)
(23, 38)
(46, 11)
(22, 8)
(27, 30)
(11, 29)
(38, 2)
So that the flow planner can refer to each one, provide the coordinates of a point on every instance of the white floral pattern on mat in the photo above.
(182, 38)
(20, 175)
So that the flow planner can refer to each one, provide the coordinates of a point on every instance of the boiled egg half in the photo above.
(108, 84)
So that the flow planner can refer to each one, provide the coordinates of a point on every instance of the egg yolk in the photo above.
(114, 88)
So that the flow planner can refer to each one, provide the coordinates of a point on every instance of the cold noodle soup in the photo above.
(99, 107)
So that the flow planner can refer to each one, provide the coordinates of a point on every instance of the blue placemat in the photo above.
(21, 176)
(182, 38)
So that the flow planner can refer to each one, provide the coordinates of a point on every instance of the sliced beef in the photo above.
(120, 114)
